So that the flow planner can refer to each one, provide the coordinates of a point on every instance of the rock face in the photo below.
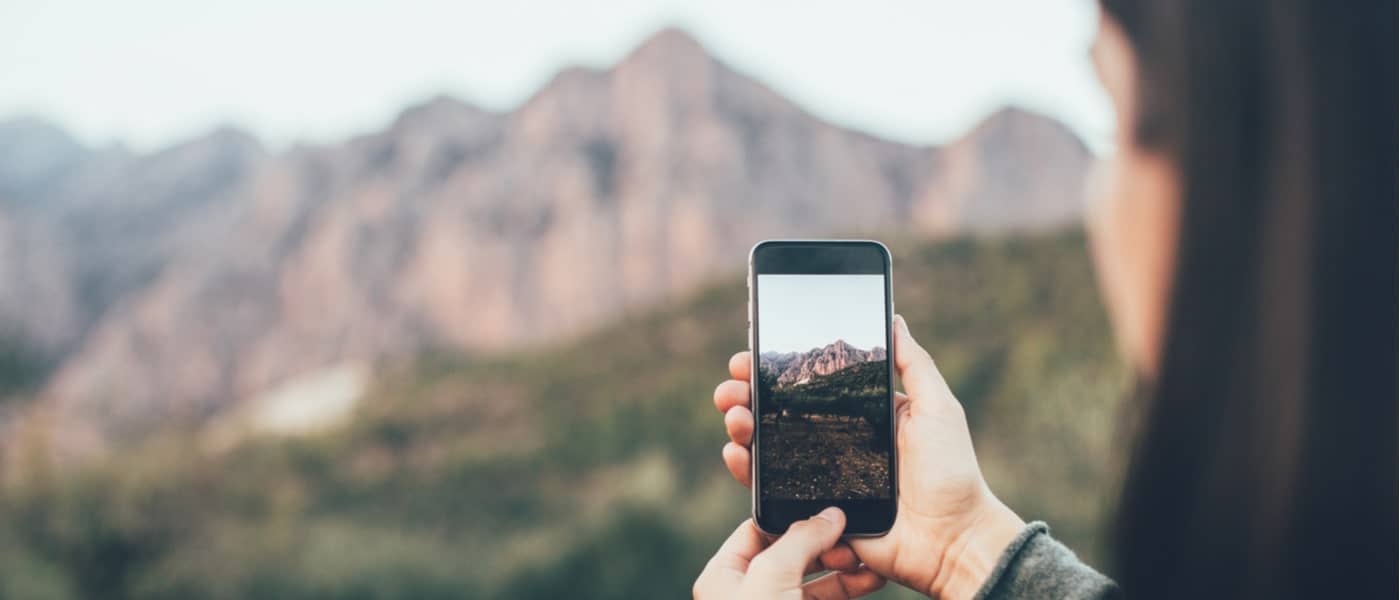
(168, 286)
(796, 368)
(82, 230)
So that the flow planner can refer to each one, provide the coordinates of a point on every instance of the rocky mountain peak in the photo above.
(33, 152)
(443, 111)
(223, 143)
(801, 367)
(670, 45)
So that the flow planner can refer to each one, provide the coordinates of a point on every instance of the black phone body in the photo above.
(822, 383)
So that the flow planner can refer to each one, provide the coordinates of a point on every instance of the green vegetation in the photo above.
(846, 392)
(855, 391)
(586, 470)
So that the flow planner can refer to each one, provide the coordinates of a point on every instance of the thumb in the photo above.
(782, 565)
(920, 375)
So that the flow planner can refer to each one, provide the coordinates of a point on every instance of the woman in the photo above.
(1244, 237)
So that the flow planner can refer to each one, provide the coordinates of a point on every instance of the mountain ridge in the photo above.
(797, 368)
(186, 280)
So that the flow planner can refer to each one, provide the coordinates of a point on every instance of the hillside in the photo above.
(166, 288)
(858, 380)
(827, 436)
(587, 469)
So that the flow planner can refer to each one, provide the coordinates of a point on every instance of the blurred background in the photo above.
(428, 299)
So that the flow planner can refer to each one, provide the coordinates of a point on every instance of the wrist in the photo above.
(974, 553)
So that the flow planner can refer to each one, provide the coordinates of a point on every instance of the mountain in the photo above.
(795, 368)
(167, 287)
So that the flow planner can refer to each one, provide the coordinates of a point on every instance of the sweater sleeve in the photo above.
(1037, 566)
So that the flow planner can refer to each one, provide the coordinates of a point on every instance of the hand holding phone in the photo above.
(947, 518)
(749, 565)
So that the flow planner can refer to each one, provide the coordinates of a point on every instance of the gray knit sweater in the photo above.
(1037, 566)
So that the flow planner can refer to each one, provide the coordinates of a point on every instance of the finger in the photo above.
(901, 405)
(740, 365)
(917, 369)
(840, 586)
(742, 545)
(725, 571)
(739, 423)
(815, 566)
(840, 558)
(731, 393)
(804, 541)
(736, 459)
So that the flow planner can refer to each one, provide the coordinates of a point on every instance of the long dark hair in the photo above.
(1265, 462)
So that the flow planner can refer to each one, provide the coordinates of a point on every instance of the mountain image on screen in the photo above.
(824, 430)
(795, 368)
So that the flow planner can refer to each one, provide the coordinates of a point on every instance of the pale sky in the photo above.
(151, 72)
(801, 312)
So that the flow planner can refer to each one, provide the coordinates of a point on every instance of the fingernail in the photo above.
(901, 325)
(831, 513)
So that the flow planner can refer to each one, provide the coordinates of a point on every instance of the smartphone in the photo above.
(822, 394)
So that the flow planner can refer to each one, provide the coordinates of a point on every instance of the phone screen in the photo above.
(824, 431)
